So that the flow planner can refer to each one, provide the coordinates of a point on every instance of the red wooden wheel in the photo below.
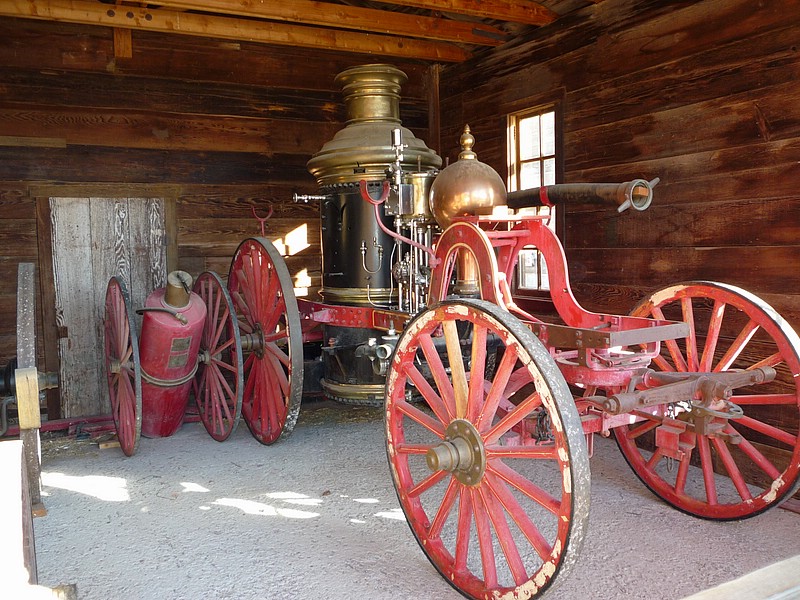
(218, 383)
(123, 368)
(753, 464)
(493, 475)
(263, 294)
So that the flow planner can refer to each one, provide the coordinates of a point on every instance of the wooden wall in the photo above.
(19, 244)
(216, 128)
(703, 95)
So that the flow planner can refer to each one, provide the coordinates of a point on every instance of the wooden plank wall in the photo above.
(702, 94)
(18, 241)
(216, 127)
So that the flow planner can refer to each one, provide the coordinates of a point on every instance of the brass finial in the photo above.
(467, 142)
(466, 187)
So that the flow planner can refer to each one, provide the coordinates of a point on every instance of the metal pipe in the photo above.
(8, 378)
(4, 414)
(637, 194)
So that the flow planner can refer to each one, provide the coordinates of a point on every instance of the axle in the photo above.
(8, 389)
(675, 387)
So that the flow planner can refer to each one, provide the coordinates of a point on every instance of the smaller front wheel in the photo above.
(266, 307)
(491, 471)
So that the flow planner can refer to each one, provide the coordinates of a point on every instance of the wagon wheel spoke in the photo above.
(465, 463)
(123, 368)
(732, 467)
(264, 301)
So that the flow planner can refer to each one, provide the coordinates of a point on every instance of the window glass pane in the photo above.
(529, 210)
(529, 138)
(544, 280)
(549, 176)
(548, 134)
(530, 175)
(527, 270)
(532, 163)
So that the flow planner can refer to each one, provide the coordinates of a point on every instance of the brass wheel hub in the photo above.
(461, 453)
(254, 342)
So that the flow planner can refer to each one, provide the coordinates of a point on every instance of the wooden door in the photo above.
(93, 240)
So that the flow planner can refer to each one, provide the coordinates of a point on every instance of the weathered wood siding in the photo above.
(215, 128)
(703, 95)
(18, 243)
(95, 239)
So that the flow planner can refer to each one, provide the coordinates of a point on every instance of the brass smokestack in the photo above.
(363, 149)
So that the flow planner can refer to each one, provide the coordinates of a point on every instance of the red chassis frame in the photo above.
(584, 346)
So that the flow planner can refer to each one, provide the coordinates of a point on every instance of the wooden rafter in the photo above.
(519, 11)
(167, 21)
(123, 43)
(326, 14)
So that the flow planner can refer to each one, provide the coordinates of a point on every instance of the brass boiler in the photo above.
(466, 187)
(357, 256)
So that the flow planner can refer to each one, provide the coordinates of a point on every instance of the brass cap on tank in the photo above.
(179, 286)
(467, 187)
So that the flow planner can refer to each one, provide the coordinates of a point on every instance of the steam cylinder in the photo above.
(363, 150)
(356, 253)
(168, 348)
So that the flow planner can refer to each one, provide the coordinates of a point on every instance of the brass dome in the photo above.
(467, 187)
(363, 150)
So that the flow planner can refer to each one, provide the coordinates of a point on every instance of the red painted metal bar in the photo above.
(351, 316)
(98, 422)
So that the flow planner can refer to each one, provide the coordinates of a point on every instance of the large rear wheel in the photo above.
(492, 471)
(745, 464)
(263, 293)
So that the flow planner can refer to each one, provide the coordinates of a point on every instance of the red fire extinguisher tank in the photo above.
(172, 325)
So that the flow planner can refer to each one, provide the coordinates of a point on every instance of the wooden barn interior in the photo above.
(195, 117)
(223, 119)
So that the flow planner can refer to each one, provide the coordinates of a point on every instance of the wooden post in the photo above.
(434, 117)
(28, 384)
(47, 308)
(18, 571)
(17, 552)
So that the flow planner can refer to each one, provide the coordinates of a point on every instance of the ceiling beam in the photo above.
(520, 11)
(165, 21)
(310, 12)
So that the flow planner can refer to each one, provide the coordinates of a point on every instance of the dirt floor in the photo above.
(315, 516)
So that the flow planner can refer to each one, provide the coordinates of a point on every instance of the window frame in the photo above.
(512, 152)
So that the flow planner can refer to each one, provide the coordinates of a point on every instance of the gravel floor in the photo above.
(315, 516)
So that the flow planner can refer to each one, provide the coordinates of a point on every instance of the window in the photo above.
(532, 162)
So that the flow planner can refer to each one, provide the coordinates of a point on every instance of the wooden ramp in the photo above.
(779, 581)
(17, 552)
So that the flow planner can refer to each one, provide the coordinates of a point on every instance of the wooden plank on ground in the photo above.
(18, 564)
(779, 580)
